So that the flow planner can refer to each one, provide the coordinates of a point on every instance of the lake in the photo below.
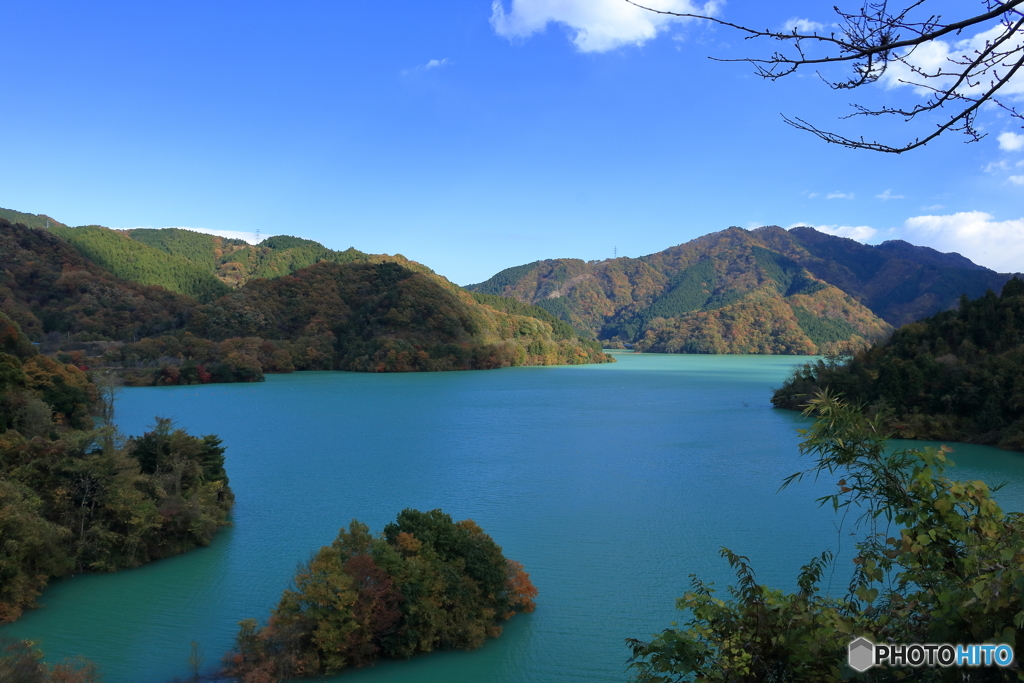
(611, 483)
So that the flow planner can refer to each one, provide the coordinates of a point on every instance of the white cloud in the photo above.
(595, 25)
(934, 207)
(937, 56)
(1011, 142)
(432, 64)
(801, 26)
(854, 232)
(995, 244)
(887, 195)
(839, 195)
(1016, 179)
(249, 237)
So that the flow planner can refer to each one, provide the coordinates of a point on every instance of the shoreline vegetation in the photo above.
(937, 561)
(425, 584)
(75, 494)
(955, 376)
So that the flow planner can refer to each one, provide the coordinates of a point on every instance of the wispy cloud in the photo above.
(594, 25)
(975, 234)
(1016, 179)
(432, 64)
(887, 195)
(839, 195)
(1011, 142)
(940, 57)
(801, 26)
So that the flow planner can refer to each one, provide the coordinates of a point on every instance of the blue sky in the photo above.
(470, 136)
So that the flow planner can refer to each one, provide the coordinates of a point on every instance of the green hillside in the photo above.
(32, 220)
(234, 262)
(52, 291)
(957, 375)
(137, 261)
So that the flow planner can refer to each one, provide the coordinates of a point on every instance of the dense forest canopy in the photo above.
(74, 497)
(957, 375)
(427, 583)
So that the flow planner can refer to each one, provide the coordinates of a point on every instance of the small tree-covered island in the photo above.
(427, 583)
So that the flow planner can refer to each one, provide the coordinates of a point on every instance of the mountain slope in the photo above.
(378, 313)
(387, 316)
(235, 262)
(726, 292)
(898, 281)
(49, 288)
(130, 259)
(957, 375)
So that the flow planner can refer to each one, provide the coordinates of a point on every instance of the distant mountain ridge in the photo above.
(767, 290)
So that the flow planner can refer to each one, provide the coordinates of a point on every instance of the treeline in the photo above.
(74, 498)
(957, 376)
(427, 583)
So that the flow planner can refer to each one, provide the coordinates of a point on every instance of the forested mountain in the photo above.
(49, 288)
(767, 290)
(372, 313)
(202, 266)
(235, 262)
(957, 375)
(898, 281)
(133, 260)
(32, 220)
(726, 292)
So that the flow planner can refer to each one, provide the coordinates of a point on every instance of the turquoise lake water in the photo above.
(611, 483)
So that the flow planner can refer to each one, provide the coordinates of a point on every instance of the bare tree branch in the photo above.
(874, 40)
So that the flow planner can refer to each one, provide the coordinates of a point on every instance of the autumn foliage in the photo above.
(427, 583)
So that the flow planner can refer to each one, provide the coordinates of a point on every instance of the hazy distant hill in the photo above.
(897, 280)
(726, 292)
(767, 290)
